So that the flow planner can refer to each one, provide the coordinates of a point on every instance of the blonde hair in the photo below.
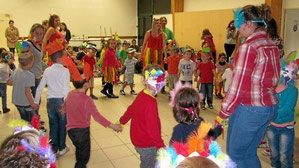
(154, 24)
(35, 26)
(197, 162)
(25, 58)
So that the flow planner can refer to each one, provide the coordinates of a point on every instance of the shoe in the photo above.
(63, 151)
(266, 152)
(203, 107)
(263, 144)
(219, 96)
(42, 128)
(42, 122)
(6, 110)
(210, 106)
(104, 92)
(122, 92)
(94, 97)
(112, 96)
(133, 92)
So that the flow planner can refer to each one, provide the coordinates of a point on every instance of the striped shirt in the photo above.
(256, 72)
(130, 65)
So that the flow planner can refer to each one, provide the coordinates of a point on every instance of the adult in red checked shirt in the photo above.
(250, 102)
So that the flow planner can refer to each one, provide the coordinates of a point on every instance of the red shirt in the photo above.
(206, 72)
(90, 60)
(256, 72)
(145, 128)
(79, 108)
(173, 64)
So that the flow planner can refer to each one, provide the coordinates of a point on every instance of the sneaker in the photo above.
(211, 106)
(266, 152)
(104, 92)
(122, 92)
(6, 110)
(42, 128)
(203, 107)
(133, 92)
(263, 144)
(63, 151)
(94, 97)
(112, 96)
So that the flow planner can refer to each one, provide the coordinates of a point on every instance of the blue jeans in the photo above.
(57, 123)
(207, 90)
(26, 112)
(247, 126)
(3, 91)
(281, 142)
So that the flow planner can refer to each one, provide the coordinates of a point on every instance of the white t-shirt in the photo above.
(4, 72)
(187, 68)
(227, 76)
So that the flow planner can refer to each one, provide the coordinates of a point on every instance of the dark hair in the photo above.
(65, 29)
(22, 159)
(56, 55)
(186, 98)
(258, 13)
(163, 17)
(272, 29)
(11, 21)
(205, 32)
(51, 19)
(79, 84)
(3, 55)
(228, 26)
(222, 54)
(133, 40)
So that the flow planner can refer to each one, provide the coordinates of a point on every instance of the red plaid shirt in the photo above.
(256, 72)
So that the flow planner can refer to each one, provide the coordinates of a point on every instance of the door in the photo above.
(291, 31)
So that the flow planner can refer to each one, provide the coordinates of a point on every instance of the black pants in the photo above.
(229, 49)
(81, 140)
(108, 87)
(12, 50)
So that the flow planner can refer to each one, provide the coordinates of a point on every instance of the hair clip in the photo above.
(190, 110)
(239, 18)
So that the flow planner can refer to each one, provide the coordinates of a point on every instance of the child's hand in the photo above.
(116, 127)
(34, 106)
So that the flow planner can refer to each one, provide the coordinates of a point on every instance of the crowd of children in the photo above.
(183, 69)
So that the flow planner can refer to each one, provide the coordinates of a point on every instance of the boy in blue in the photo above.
(280, 132)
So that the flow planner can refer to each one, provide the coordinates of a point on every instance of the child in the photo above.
(57, 79)
(123, 57)
(79, 108)
(145, 127)
(208, 42)
(22, 80)
(109, 68)
(227, 76)
(5, 59)
(173, 63)
(221, 65)
(197, 162)
(280, 132)
(129, 65)
(186, 68)
(207, 72)
(83, 51)
(89, 60)
(184, 103)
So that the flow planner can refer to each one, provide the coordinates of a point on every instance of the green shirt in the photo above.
(123, 55)
(169, 34)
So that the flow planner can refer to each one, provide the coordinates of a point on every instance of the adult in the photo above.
(273, 35)
(167, 31)
(250, 103)
(153, 45)
(65, 31)
(134, 45)
(34, 42)
(12, 36)
(53, 40)
(231, 37)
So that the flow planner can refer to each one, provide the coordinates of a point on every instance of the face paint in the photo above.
(8, 57)
(156, 79)
(239, 18)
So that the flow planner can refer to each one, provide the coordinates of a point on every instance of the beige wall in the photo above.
(290, 4)
(81, 16)
(201, 5)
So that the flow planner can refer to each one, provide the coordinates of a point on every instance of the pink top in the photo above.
(79, 107)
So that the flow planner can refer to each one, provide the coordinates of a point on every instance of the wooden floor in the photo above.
(114, 150)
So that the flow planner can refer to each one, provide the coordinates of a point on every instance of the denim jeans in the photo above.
(247, 126)
(207, 90)
(26, 112)
(147, 156)
(57, 123)
(3, 91)
(281, 142)
(81, 140)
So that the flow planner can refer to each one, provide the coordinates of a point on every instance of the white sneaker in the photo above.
(63, 151)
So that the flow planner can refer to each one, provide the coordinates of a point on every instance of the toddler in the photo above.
(221, 65)
(173, 63)
(186, 68)
(5, 59)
